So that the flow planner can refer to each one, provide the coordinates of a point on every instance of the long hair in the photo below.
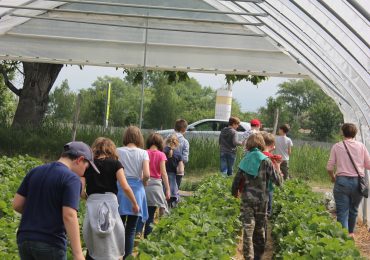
(104, 146)
(173, 143)
(155, 139)
(132, 135)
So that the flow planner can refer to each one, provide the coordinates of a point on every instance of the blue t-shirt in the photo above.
(47, 189)
(172, 162)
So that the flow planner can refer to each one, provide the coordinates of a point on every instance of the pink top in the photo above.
(155, 158)
(340, 158)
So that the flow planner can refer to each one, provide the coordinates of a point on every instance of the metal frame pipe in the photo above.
(136, 26)
(129, 15)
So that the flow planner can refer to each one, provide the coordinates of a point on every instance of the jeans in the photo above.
(347, 199)
(178, 180)
(35, 250)
(130, 223)
(148, 223)
(227, 163)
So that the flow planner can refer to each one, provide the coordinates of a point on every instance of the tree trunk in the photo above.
(34, 96)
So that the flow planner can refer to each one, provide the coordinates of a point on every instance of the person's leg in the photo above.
(130, 229)
(150, 221)
(284, 169)
(223, 163)
(259, 234)
(355, 201)
(230, 163)
(247, 215)
(342, 190)
(139, 226)
(178, 180)
(269, 205)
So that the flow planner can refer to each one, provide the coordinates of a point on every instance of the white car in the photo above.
(207, 128)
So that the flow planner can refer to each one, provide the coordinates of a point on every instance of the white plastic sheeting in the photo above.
(323, 39)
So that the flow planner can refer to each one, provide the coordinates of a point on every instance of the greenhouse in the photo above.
(327, 41)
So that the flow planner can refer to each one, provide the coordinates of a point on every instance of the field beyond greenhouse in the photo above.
(206, 225)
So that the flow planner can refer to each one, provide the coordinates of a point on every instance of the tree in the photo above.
(34, 95)
(8, 104)
(62, 103)
(325, 119)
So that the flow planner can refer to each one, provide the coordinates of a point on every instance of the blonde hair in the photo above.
(255, 141)
(268, 138)
(173, 143)
(133, 135)
(104, 146)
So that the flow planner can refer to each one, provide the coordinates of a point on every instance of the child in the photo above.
(101, 189)
(154, 189)
(180, 128)
(284, 147)
(48, 199)
(255, 171)
(275, 159)
(174, 162)
(228, 142)
(136, 164)
(255, 128)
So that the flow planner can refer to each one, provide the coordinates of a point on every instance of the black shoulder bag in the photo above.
(363, 182)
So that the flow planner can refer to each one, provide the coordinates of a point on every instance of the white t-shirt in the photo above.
(282, 144)
(132, 161)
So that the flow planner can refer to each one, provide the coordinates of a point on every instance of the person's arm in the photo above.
(236, 142)
(331, 163)
(18, 203)
(165, 179)
(235, 186)
(83, 185)
(185, 151)
(70, 221)
(366, 159)
(146, 171)
(120, 175)
(290, 145)
(273, 174)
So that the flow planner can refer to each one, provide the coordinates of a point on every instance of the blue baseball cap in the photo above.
(81, 149)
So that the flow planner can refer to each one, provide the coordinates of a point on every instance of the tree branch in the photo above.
(8, 83)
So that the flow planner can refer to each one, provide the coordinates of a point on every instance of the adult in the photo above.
(346, 192)
(228, 142)
(48, 199)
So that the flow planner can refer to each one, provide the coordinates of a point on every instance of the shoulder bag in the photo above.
(363, 182)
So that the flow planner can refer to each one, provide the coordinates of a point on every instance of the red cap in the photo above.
(255, 122)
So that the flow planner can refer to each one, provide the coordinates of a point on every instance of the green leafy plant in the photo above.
(303, 229)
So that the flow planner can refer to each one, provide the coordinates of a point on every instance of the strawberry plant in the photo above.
(12, 171)
(205, 226)
(303, 229)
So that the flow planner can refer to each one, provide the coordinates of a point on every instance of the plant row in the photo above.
(205, 226)
(12, 171)
(303, 229)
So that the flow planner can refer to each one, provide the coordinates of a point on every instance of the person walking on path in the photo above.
(255, 172)
(103, 230)
(284, 146)
(184, 148)
(346, 188)
(135, 161)
(154, 190)
(48, 199)
(228, 142)
(173, 163)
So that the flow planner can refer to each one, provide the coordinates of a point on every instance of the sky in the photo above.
(249, 96)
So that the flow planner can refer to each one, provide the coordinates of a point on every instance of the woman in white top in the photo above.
(135, 161)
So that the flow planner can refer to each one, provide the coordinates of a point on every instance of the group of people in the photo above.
(259, 169)
(123, 188)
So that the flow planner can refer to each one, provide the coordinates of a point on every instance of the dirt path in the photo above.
(269, 251)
